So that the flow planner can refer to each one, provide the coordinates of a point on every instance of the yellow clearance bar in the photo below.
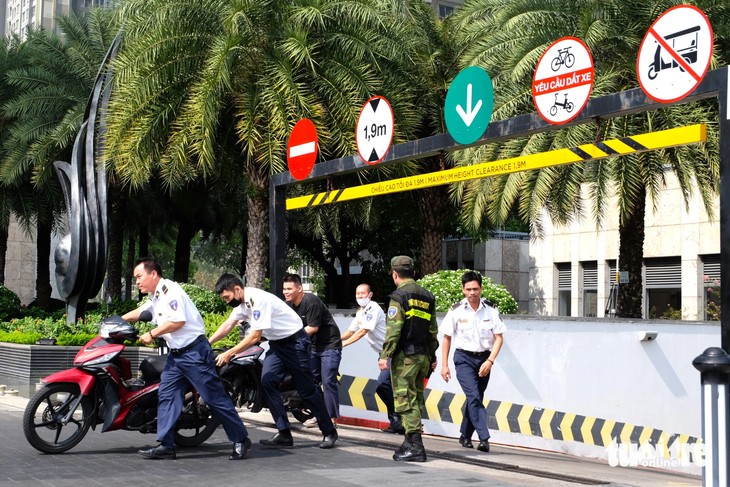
(599, 150)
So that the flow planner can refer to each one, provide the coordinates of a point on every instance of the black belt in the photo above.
(291, 338)
(475, 354)
(180, 351)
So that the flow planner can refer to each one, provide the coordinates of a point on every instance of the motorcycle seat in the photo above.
(152, 368)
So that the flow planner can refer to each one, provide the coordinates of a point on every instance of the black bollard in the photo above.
(714, 367)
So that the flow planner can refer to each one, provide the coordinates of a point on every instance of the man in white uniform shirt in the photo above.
(369, 322)
(289, 351)
(190, 361)
(476, 329)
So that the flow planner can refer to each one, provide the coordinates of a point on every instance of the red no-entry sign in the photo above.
(301, 151)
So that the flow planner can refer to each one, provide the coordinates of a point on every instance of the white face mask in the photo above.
(363, 302)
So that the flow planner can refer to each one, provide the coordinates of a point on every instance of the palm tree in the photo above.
(436, 53)
(507, 39)
(191, 67)
(52, 91)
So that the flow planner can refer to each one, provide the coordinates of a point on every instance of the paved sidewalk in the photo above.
(535, 463)
(362, 457)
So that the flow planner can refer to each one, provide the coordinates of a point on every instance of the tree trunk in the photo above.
(244, 252)
(185, 232)
(144, 238)
(144, 242)
(43, 259)
(117, 217)
(3, 252)
(258, 221)
(343, 288)
(434, 210)
(630, 257)
(129, 274)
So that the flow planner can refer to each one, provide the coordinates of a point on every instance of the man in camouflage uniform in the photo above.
(410, 345)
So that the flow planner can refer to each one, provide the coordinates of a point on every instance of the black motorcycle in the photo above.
(241, 377)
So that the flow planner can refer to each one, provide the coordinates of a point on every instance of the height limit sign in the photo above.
(675, 54)
(374, 130)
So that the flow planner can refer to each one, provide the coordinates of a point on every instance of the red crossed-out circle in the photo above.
(652, 34)
(301, 150)
(563, 82)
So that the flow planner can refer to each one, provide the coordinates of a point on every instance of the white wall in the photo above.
(592, 367)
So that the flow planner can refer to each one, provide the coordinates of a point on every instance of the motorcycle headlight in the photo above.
(104, 358)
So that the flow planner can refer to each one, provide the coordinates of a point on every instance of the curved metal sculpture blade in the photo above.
(81, 256)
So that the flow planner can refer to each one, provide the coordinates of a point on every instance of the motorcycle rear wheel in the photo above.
(43, 418)
(302, 415)
(189, 437)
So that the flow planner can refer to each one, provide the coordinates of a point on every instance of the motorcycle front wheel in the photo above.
(43, 420)
(195, 424)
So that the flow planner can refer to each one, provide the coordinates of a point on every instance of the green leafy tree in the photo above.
(507, 39)
(51, 93)
(195, 69)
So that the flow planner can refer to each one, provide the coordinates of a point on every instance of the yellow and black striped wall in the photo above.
(359, 392)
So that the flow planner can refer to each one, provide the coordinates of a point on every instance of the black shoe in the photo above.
(329, 440)
(240, 449)
(159, 452)
(465, 442)
(483, 446)
(282, 438)
(415, 452)
(394, 429)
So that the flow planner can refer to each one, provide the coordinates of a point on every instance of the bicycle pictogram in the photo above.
(564, 57)
(566, 105)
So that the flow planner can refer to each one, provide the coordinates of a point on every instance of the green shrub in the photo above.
(212, 322)
(119, 307)
(446, 288)
(52, 328)
(69, 340)
(9, 304)
(203, 298)
(18, 337)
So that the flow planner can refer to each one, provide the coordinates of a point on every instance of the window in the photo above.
(664, 287)
(590, 289)
(564, 286)
(445, 11)
(711, 285)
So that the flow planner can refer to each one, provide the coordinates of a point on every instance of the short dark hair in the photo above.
(227, 282)
(370, 289)
(471, 276)
(293, 278)
(150, 265)
(405, 273)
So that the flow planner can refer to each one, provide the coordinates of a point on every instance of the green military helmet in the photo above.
(401, 262)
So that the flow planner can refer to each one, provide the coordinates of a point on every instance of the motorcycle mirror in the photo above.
(145, 316)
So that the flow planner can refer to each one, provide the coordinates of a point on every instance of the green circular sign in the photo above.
(469, 104)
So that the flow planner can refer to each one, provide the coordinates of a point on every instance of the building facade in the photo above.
(21, 14)
(573, 268)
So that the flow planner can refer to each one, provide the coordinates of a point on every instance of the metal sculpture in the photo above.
(81, 256)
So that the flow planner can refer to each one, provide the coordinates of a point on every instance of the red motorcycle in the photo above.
(100, 390)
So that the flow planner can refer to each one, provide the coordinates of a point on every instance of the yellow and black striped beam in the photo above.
(359, 392)
(599, 150)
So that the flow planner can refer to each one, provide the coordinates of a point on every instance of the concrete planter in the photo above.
(34, 362)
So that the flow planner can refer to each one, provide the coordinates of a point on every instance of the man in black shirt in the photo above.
(326, 342)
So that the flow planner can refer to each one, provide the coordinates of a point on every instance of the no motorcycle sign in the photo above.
(675, 54)
(563, 80)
